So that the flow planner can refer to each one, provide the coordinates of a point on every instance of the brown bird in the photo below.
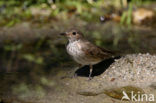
(83, 51)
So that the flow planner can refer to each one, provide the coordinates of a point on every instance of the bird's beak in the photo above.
(63, 34)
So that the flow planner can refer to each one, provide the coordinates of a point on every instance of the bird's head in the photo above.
(73, 35)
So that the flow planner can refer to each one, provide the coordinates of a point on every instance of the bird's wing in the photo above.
(94, 51)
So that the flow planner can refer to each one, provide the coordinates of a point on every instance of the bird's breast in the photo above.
(74, 49)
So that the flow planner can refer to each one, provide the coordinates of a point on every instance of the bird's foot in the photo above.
(90, 78)
(75, 75)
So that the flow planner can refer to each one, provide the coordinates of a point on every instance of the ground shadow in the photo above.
(97, 69)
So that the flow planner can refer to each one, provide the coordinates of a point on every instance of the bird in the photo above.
(83, 51)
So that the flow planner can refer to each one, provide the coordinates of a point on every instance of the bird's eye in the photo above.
(74, 33)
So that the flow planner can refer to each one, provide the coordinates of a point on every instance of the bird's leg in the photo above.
(90, 71)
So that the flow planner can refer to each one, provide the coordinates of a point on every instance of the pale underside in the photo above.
(86, 53)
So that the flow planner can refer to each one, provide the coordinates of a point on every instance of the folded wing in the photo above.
(93, 51)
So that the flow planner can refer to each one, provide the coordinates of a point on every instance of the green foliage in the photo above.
(129, 16)
(12, 47)
(137, 2)
(33, 58)
(15, 11)
(126, 17)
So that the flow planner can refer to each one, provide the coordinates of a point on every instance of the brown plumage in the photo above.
(83, 51)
